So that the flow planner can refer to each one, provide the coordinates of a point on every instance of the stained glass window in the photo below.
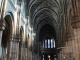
(45, 43)
(48, 43)
(52, 43)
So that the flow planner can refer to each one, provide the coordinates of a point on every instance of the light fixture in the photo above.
(49, 56)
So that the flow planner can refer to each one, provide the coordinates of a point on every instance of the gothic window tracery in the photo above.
(48, 43)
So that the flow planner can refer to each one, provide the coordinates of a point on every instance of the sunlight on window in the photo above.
(48, 43)
(52, 43)
(45, 43)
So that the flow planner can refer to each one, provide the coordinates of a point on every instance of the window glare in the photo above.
(48, 43)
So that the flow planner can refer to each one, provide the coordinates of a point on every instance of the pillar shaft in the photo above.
(0, 44)
(13, 49)
(76, 26)
(2, 27)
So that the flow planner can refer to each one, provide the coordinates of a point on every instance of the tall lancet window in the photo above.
(45, 43)
(48, 43)
(52, 43)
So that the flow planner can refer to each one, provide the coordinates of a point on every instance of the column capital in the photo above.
(2, 24)
(75, 22)
(14, 39)
(17, 39)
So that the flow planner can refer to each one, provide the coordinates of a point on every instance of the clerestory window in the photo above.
(48, 43)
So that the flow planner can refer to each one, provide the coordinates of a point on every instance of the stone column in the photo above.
(16, 48)
(20, 50)
(76, 27)
(29, 54)
(74, 49)
(23, 52)
(8, 47)
(61, 55)
(69, 46)
(2, 27)
(0, 44)
(13, 49)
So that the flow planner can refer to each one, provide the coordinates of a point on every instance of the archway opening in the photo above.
(7, 33)
(47, 37)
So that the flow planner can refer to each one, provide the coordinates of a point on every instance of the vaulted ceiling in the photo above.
(43, 12)
(40, 9)
(46, 13)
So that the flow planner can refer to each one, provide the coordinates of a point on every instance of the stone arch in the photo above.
(47, 34)
(23, 42)
(51, 19)
(41, 8)
(9, 27)
(9, 18)
(45, 13)
(33, 3)
(8, 34)
(41, 24)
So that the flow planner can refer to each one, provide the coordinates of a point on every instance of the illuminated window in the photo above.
(45, 43)
(48, 43)
(52, 43)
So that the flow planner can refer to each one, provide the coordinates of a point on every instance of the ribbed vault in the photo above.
(42, 8)
(47, 31)
(44, 16)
